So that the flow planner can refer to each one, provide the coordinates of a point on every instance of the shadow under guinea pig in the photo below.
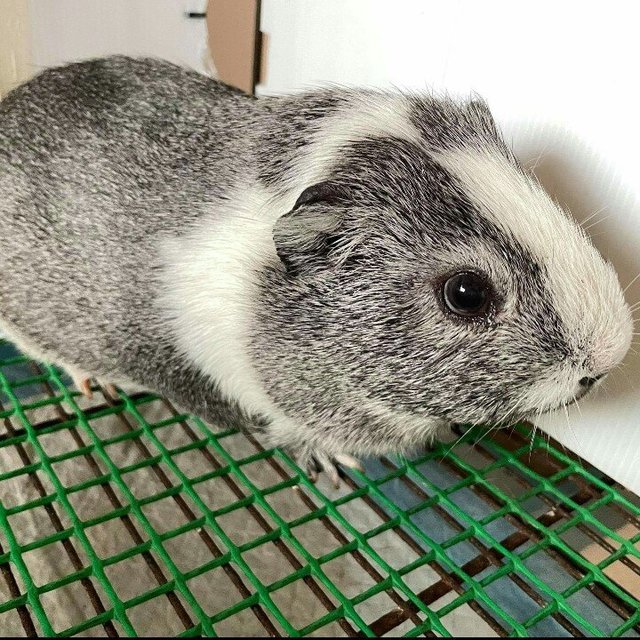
(589, 188)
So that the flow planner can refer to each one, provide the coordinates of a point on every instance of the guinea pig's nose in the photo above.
(588, 382)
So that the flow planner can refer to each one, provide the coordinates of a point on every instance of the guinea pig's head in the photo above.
(430, 273)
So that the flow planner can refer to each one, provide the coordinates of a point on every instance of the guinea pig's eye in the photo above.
(467, 294)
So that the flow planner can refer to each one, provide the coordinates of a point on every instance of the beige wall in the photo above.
(15, 48)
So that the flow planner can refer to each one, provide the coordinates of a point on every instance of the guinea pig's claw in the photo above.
(315, 462)
(334, 476)
(84, 386)
(109, 390)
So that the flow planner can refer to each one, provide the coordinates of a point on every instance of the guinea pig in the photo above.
(345, 271)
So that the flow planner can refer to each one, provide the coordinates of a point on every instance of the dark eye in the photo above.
(467, 294)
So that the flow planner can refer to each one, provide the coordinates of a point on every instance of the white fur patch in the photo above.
(210, 291)
(585, 289)
(375, 115)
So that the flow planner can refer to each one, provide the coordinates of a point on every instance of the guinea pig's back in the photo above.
(98, 159)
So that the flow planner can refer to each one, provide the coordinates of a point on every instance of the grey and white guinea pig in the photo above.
(345, 271)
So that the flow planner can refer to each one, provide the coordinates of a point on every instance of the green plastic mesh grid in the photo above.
(125, 517)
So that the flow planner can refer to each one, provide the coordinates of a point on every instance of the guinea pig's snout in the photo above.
(589, 382)
(586, 383)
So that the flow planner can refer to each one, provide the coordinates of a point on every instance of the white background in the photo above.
(68, 30)
(562, 81)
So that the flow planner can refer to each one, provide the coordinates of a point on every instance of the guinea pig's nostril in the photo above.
(589, 382)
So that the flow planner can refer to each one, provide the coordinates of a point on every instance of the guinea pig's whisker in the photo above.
(575, 401)
(545, 435)
(533, 437)
(450, 449)
(595, 222)
(484, 435)
(625, 289)
(593, 215)
(570, 426)
(535, 430)
(512, 411)
(549, 444)
(534, 165)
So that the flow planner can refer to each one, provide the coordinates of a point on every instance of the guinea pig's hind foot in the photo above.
(314, 461)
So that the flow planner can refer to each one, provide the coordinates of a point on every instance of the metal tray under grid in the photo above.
(128, 518)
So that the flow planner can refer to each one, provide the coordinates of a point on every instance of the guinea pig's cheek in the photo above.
(557, 389)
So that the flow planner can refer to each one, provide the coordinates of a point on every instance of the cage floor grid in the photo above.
(125, 517)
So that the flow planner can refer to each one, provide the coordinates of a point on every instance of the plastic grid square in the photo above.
(223, 536)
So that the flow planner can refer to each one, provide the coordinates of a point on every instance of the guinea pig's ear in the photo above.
(305, 236)
(479, 110)
(327, 192)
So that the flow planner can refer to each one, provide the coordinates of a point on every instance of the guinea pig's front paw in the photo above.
(314, 461)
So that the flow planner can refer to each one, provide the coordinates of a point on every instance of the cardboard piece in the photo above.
(234, 41)
(15, 45)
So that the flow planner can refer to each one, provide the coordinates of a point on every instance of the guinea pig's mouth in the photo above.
(501, 422)
(526, 416)
(551, 409)
(504, 419)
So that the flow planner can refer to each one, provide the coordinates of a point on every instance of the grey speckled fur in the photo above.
(102, 160)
